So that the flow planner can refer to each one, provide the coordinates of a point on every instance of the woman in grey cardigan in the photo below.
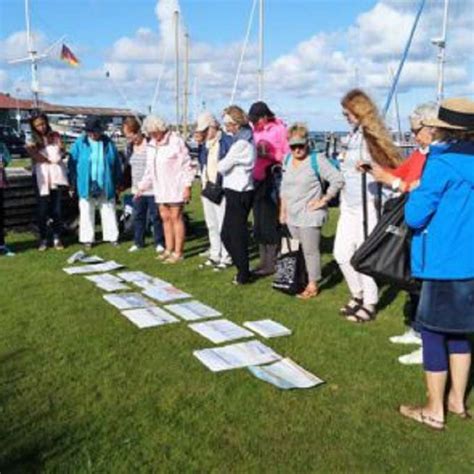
(304, 202)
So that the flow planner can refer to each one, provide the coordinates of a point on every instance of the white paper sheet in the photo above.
(193, 310)
(220, 330)
(286, 374)
(149, 317)
(235, 356)
(165, 293)
(152, 283)
(128, 300)
(97, 268)
(268, 328)
(143, 280)
(82, 257)
(132, 277)
(107, 282)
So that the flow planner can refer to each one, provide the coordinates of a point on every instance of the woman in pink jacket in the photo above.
(170, 174)
(270, 137)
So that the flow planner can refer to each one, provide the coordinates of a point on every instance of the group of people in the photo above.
(253, 162)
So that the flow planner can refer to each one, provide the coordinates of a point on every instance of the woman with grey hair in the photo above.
(405, 178)
(170, 174)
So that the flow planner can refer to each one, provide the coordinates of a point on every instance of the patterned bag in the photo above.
(290, 276)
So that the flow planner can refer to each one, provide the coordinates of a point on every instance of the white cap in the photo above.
(204, 121)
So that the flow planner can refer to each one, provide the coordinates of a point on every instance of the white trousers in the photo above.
(214, 216)
(349, 237)
(108, 217)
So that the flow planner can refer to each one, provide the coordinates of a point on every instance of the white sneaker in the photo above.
(206, 253)
(413, 358)
(134, 248)
(409, 337)
(159, 248)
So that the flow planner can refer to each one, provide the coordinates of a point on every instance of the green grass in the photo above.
(82, 390)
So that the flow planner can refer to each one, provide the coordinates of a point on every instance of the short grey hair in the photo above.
(152, 123)
(423, 112)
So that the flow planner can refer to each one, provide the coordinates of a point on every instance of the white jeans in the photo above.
(214, 216)
(349, 237)
(108, 216)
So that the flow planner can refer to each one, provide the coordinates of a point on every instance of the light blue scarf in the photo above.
(97, 162)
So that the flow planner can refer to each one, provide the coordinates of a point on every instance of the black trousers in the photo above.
(49, 207)
(2, 220)
(235, 233)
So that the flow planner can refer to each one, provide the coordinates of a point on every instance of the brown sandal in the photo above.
(357, 318)
(351, 307)
(308, 294)
(416, 414)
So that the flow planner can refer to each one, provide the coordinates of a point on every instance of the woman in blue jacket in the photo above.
(96, 172)
(441, 213)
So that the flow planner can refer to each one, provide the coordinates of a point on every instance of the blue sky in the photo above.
(313, 50)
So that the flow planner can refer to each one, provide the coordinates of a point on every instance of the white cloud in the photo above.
(15, 46)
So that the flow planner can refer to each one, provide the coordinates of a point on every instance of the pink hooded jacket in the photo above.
(272, 146)
(168, 169)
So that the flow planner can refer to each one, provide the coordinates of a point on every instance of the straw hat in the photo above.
(456, 114)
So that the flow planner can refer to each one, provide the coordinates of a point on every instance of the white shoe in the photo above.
(159, 248)
(206, 253)
(409, 337)
(413, 358)
(134, 248)
(221, 266)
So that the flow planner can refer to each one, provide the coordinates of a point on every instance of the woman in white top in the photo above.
(236, 168)
(369, 141)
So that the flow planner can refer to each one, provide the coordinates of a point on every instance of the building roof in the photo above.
(8, 102)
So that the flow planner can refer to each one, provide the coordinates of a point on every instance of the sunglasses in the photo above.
(416, 131)
(297, 147)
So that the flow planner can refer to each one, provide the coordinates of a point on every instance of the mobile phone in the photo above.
(366, 167)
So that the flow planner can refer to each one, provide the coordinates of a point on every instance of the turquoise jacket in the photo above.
(441, 213)
(80, 167)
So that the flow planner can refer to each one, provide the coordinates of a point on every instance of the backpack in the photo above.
(334, 202)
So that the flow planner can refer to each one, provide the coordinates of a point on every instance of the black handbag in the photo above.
(290, 275)
(385, 254)
(213, 192)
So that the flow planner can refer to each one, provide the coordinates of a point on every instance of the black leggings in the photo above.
(235, 233)
(49, 207)
(2, 220)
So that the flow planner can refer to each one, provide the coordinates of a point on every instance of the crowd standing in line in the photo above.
(256, 163)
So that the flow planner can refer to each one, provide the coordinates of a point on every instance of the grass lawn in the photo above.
(82, 390)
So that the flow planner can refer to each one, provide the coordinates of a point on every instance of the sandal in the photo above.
(356, 317)
(416, 414)
(308, 294)
(173, 258)
(463, 415)
(351, 307)
(163, 255)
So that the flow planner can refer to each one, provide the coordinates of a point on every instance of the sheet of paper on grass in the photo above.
(268, 328)
(149, 317)
(286, 374)
(97, 268)
(128, 300)
(220, 330)
(235, 356)
(142, 280)
(107, 282)
(193, 310)
(164, 294)
(82, 257)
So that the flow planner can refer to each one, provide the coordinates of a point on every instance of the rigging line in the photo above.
(404, 57)
(160, 77)
(244, 48)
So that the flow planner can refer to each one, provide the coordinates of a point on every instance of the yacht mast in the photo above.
(441, 44)
(176, 40)
(261, 51)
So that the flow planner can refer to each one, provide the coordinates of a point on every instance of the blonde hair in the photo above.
(152, 123)
(237, 115)
(299, 129)
(379, 142)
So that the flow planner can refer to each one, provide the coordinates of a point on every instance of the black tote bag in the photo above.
(290, 275)
(385, 254)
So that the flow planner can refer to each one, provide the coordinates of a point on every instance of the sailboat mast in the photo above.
(176, 40)
(186, 86)
(261, 51)
(32, 54)
(442, 53)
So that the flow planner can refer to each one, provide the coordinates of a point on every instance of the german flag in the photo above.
(68, 56)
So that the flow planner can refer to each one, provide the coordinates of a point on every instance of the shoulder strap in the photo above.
(314, 163)
(287, 160)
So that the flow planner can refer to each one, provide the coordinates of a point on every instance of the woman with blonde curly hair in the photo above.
(368, 142)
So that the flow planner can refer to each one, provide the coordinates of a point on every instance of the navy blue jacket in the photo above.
(225, 143)
(441, 212)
